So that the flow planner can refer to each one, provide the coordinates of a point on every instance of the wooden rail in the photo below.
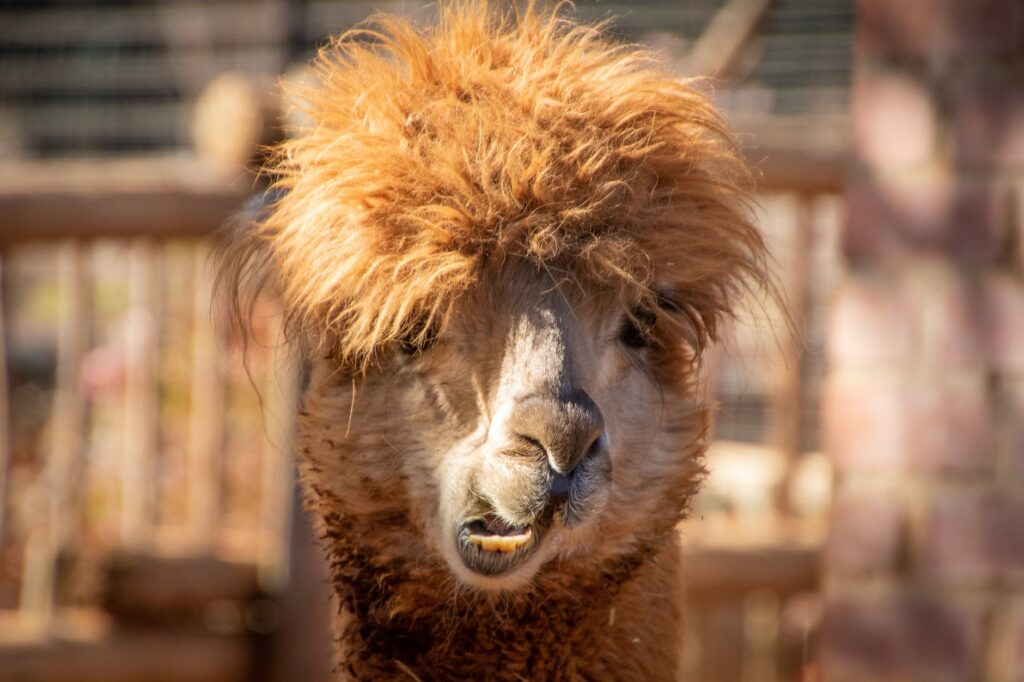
(155, 197)
(180, 197)
(798, 172)
(5, 418)
(724, 36)
(127, 656)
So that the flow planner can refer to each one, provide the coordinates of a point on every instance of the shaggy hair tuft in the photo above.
(432, 153)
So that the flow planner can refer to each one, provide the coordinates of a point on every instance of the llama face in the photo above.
(544, 424)
(573, 221)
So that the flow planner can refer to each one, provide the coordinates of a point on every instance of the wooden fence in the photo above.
(147, 206)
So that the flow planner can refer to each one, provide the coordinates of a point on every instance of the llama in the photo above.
(502, 242)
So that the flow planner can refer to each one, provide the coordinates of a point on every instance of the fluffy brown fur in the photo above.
(434, 151)
(518, 193)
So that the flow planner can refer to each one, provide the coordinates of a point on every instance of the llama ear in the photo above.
(244, 266)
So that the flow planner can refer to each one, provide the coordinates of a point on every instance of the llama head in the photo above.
(503, 241)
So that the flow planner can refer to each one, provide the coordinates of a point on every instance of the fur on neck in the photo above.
(403, 616)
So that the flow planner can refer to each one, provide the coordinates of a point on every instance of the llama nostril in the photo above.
(599, 446)
(559, 487)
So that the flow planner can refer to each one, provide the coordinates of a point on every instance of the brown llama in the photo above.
(502, 242)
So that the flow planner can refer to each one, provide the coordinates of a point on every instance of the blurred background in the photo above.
(864, 516)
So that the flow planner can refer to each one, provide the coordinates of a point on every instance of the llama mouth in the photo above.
(493, 534)
(491, 546)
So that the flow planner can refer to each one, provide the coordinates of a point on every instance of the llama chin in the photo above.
(503, 242)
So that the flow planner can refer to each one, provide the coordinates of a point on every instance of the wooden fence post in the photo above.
(141, 407)
(207, 414)
(5, 414)
(65, 455)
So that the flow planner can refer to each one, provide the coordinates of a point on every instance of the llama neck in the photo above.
(402, 613)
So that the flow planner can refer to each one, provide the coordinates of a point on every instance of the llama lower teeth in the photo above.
(505, 544)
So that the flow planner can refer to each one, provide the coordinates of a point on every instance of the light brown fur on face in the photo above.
(503, 243)
(430, 438)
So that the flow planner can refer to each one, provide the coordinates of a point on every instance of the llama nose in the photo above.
(569, 428)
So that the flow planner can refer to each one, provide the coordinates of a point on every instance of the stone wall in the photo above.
(924, 404)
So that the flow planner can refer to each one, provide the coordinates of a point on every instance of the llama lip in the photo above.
(489, 545)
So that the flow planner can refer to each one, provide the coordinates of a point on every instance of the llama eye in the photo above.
(420, 338)
(636, 329)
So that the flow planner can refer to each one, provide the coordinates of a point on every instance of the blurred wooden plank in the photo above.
(5, 413)
(159, 197)
(160, 590)
(141, 405)
(793, 170)
(206, 413)
(66, 453)
(67, 442)
(787, 401)
(725, 35)
(168, 197)
(131, 657)
(716, 574)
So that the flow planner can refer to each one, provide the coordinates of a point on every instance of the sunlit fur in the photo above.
(515, 189)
